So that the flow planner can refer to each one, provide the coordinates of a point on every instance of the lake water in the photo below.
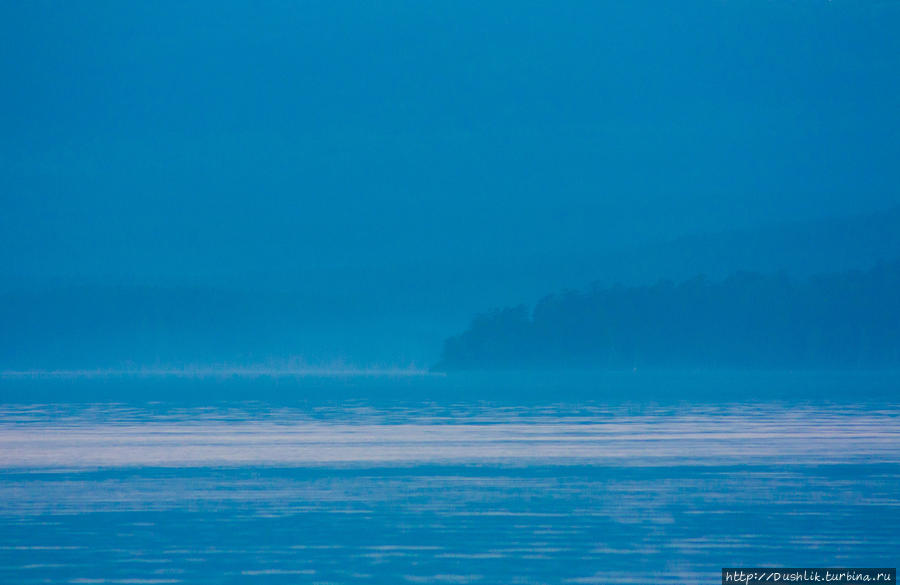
(509, 478)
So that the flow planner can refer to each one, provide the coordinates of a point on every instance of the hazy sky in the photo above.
(164, 140)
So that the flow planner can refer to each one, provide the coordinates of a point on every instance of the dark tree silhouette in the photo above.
(842, 320)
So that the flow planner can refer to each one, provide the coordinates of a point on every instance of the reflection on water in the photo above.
(46, 437)
(462, 492)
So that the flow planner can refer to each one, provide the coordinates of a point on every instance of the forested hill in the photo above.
(844, 320)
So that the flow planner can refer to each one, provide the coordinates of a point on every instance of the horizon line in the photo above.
(221, 372)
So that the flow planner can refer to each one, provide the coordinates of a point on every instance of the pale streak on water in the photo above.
(447, 492)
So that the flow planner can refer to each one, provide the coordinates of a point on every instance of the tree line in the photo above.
(843, 320)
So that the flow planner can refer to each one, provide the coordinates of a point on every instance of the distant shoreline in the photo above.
(846, 320)
(213, 372)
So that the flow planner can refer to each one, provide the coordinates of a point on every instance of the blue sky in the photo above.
(168, 142)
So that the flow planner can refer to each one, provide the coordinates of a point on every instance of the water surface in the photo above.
(577, 478)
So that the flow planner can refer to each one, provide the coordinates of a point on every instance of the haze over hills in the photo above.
(299, 181)
(798, 248)
(376, 316)
(748, 320)
(811, 294)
